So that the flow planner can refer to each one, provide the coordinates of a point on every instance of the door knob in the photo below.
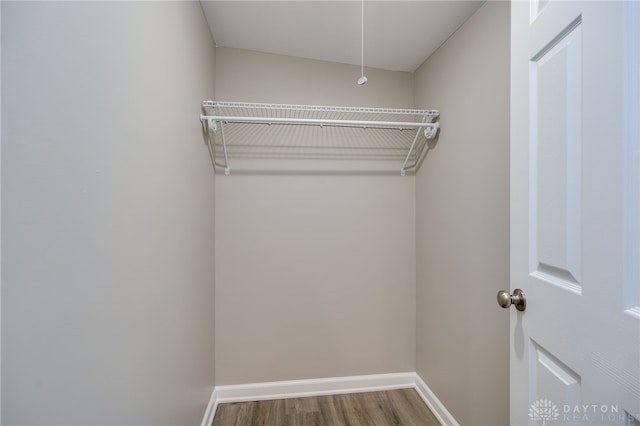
(517, 298)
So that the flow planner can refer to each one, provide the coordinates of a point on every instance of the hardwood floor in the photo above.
(395, 407)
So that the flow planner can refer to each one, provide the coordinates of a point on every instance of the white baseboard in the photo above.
(314, 387)
(207, 420)
(437, 408)
(327, 386)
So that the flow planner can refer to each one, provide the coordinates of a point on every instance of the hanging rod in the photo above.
(320, 122)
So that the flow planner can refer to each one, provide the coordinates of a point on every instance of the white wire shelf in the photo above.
(280, 131)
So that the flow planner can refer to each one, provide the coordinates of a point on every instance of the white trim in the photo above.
(210, 412)
(437, 408)
(314, 387)
(327, 386)
(0, 210)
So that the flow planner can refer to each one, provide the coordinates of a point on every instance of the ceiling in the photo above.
(398, 35)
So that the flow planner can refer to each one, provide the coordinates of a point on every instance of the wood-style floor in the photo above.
(395, 407)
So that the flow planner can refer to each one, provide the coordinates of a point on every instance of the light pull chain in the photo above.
(362, 80)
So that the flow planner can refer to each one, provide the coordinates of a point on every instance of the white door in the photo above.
(575, 194)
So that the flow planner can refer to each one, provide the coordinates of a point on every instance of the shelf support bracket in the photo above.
(212, 127)
(227, 169)
(430, 131)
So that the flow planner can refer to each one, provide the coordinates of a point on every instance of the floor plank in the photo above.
(395, 407)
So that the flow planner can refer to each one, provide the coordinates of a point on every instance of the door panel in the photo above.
(575, 350)
(556, 169)
(551, 379)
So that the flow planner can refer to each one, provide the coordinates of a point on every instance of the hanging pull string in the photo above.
(362, 40)
(362, 80)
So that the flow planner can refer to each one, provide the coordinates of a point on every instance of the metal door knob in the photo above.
(517, 298)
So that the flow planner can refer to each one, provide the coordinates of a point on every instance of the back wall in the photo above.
(315, 274)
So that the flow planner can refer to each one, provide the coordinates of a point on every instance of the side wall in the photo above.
(107, 214)
(463, 221)
(315, 274)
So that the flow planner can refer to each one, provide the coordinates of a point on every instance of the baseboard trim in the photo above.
(327, 386)
(314, 387)
(435, 405)
(210, 413)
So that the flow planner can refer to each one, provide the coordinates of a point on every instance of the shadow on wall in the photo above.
(430, 145)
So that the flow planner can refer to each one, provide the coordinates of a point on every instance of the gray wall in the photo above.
(107, 214)
(246, 76)
(315, 274)
(463, 221)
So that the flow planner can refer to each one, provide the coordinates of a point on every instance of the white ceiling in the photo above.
(398, 35)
